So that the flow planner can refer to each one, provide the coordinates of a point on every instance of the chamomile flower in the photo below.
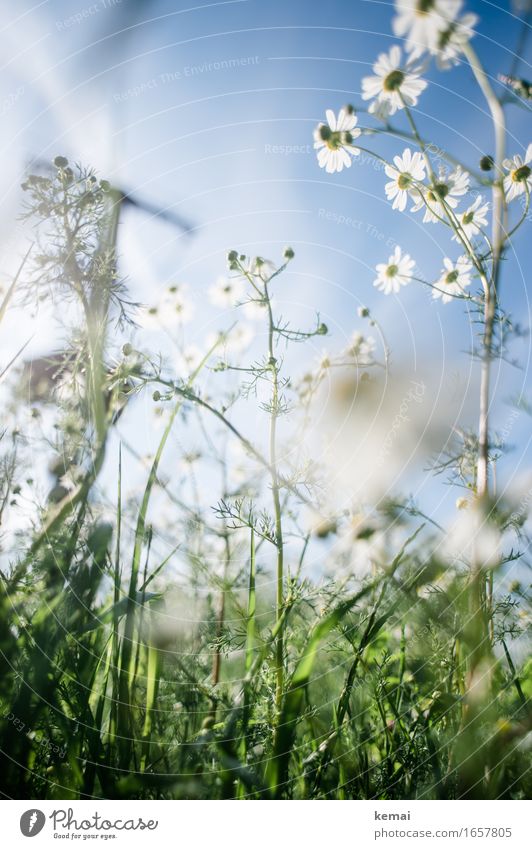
(445, 191)
(473, 218)
(334, 140)
(519, 177)
(187, 360)
(361, 348)
(395, 273)
(175, 306)
(407, 170)
(455, 277)
(452, 40)
(226, 292)
(423, 21)
(394, 85)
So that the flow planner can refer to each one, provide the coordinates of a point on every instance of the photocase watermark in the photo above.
(288, 149)
(38, 738)
(85, 14)
(32, 822)
(188, 71)
(65, 824)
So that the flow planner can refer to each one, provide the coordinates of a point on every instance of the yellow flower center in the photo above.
(393, 81)
(521, 175)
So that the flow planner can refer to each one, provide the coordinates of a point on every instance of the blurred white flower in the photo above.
(519, 177)
(395, 273)
(258, 267)
(473, 218)
(187, 360)
(423, 22)
(226, 292)
(235, 341)
(176, 306)
(378, 431)
(361, 348)
(394, 84)
(455, 277)
(473, 539)
(409, 169)
(334, 140)
(445, 192)
(453, 39)
(256, 310)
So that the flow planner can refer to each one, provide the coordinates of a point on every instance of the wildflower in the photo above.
(445, 192)
(188, 360)
(452, 40)
(236, 341)
(519, 177)
(173, 308)
(394, 84)
(334, 140)
(361, 348)
(409, 169)
(395, 273)
(473, 218)
(226, 292)
(474, 539)
(423, 22)
(453, 280)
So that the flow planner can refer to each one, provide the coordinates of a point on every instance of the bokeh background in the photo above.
(206, 110)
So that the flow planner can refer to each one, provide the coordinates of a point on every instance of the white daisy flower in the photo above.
(235, 341)
(334, 140)
(187, 360)
(394, 84)
(452, 40)
(446, 191)
(256, 310)
(519, 177)
(455, 277)
(361, 348)
(473, 218)
(423, 21)
(395, 273)
(175, 306)
(409, 169)
(226, 292)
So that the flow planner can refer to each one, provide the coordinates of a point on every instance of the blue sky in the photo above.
(208, 109)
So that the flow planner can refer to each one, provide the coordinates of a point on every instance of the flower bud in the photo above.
(232, 256)
(322, 329)
(60, 162)
(288, 253)
(156, 395)
(363, 312)
(486, 163)
(127, 349)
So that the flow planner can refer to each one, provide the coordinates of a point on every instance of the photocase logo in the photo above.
(32, 822)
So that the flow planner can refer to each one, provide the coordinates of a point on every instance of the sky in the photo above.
(207, 110)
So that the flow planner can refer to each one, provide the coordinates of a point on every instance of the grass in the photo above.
(119, 681)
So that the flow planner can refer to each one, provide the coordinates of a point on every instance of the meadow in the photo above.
(269, 613)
